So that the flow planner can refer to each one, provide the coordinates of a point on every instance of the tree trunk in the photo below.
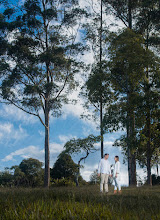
(133, 170)
(77, 176)
(79, 163)
(131, 140)
(133, 155)
(101, 129)
(131, 164)
(130, 14)
(148, 119)
(47, 154)
(131, 123)
(128, 107)
(128, 139)
(149, 182)
(101, 102)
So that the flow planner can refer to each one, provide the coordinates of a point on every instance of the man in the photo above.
(104, 171)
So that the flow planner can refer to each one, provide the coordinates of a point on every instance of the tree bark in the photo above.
(148, 118)
(133, 170)
(130, 14)
(46, 112)
(133, 141)
(128, 140)
(101, 129)
(79, 163)
(131, 123)
(149, 182)
(47, 154)
(101, 101)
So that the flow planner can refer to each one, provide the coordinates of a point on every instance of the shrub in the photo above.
(62, 182)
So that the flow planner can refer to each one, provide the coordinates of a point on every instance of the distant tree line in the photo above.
(30, 173)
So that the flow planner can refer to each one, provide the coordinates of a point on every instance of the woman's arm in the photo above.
(117, 167)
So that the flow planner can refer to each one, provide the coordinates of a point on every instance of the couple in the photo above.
(104, 171)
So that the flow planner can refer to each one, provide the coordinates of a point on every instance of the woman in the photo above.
(116, 175)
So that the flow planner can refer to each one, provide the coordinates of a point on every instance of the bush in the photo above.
(62, 182)
(155, 180)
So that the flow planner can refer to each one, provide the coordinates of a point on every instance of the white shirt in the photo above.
(117, 168)
(104, 166)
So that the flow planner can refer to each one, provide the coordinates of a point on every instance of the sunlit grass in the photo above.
(79, 203)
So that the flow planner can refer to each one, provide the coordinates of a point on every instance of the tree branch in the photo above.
(62, 87)
(28, 112)
(83, 158)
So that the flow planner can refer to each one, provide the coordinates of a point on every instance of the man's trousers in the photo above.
(104, 182)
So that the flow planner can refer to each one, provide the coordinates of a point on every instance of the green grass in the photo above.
(79, 203)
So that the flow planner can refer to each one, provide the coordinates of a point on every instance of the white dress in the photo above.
(117, 178)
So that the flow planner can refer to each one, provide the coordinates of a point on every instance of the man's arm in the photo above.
(109, 166)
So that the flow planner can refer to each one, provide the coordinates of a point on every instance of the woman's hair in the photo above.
(117, 158)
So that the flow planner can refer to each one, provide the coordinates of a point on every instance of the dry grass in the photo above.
(79, 203)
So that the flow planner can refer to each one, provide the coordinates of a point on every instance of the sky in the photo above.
(22, 135)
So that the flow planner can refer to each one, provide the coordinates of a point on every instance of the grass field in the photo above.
(79, 203)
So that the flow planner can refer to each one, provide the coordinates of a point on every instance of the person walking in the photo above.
(116, 175)
(104, 172)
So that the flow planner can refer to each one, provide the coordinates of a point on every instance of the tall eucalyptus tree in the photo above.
(147, 23)
(40, 58)
(97, 87)
(126, 11)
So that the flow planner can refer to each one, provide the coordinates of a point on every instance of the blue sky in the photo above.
(22, 136)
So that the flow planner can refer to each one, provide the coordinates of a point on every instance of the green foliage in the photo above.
(62, 182)
(154, 145)
(148, 21)
(79, 145)
(127, 69)
(32, 170)
(98, 86)
(30, 166)
(64, 167)
(6, 178)
(155, 180)
(130, 82)
(120, 9)
(29, 173)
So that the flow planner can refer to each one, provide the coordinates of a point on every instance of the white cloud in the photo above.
(64, 138)
(78, 110)
(124, 177)
(56, 148)
(42, 133)
(35, 152)
(15, 114)
(8, 132)
(30, 151)
(88, 170)
(107, 144)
